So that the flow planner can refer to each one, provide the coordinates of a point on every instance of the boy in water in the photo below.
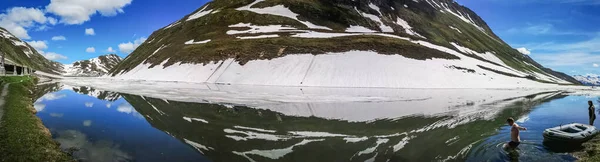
(515, 139)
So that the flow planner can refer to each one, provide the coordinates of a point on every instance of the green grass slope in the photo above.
(440, 22)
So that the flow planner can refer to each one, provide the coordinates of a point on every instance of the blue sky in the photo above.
(560, 34)
(116, 23)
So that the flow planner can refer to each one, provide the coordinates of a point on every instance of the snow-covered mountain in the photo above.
(344, 43)
(98, 66)
(19, 52)
(591, 80)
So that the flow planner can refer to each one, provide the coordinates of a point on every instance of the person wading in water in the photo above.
(515, 138)
(591, 112)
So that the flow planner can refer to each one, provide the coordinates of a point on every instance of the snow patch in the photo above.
(454, 28)
(198, 146)
(407, 28)
(200, 42)
(359, 29)
(274, 153)
(195, 119)
(279, 10)
(260, 36)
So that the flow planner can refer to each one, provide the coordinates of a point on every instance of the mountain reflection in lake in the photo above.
(100, 125)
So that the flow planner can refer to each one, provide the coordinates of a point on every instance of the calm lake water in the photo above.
(97, 125)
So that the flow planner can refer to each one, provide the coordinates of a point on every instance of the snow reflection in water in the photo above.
(340, 125)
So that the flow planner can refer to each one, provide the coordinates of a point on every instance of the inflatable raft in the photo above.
(571, 133)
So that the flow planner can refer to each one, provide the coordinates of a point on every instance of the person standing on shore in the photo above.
(591, 112)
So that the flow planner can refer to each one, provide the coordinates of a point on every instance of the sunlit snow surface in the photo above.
(352, 104)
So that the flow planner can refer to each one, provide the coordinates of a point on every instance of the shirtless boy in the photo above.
(515, 139)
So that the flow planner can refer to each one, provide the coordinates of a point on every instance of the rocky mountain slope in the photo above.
(93, 67)
(19, 52)
(590, 80)
(344, 43)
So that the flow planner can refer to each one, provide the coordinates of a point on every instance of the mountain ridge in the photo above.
(271, 30)
(20, 52)
(94, 67)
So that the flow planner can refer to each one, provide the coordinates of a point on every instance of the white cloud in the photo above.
(54, 56)
(524, 51)
(567, 59)
(38, 45)
(51, 97)
(544, 29)
(90, 50)
(18, 19)
(89, 104)
(90, 31)
(59, 38)
(80, 11)
(130, 47)
(595, 65)
(125, 108)
(87, 123)
(52, 21)
(39, 106)
(57, 115)
(110, 50)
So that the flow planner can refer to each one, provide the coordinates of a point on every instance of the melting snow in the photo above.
(359, 29)
(275, 153)
(198, 146)
(258, 29)
(407, 28)
(200, 42)
(195, 119)
(171, 25)
(199, 14)
(255, 129)
(372, 149)
(279, 10)
(354, 139)
(260, 36)
(316, 134)
(382, 26)
(454, 28)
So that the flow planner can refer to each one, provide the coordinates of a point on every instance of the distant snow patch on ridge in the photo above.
(170, 25)
(260, 36)
(407, 28)
(17, 42)
(487, 55)
(454, 28)
(255, 129)
(199, 14)
(445, 8)
(279, 10)
(200, 42)
(254, 29)
(161, 47)
(197, 146)
(195, 119)
(359, 29)
(493, 58)
(377, 19)
(274, 153)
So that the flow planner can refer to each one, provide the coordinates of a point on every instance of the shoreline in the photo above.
(23, 136)
(590, 151)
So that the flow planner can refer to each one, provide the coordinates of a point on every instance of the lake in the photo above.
(302, 124)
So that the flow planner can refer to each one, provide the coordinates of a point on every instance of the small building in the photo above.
(12, 68)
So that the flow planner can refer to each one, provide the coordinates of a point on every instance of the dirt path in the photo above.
(2, 101)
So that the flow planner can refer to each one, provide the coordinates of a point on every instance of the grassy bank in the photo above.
(23, 137)
(591, 151)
